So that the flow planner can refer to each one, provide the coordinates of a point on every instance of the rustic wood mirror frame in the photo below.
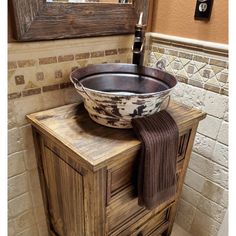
(38, 20)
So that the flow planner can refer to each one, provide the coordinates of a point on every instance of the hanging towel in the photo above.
(159, 138)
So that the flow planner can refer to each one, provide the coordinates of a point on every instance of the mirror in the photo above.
(92, 1)
(43, 20)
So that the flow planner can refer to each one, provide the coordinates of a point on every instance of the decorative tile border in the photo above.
(191, 65)
(60, 77)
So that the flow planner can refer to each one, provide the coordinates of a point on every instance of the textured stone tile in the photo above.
(82, 56)
(215, 104)
(19, 204)
(179, 231)
(14, 95)
(19, 79)
(209, 169)
(71, 96)
(204, 225)
(182, 79)
(27, 105)
(24, 221)
(185, 214)
(204, 145)
(186, 55)
(212, 87)
(220, 154)
(53, 99)
(195, 83)
(50, 87)
(30, 159)
(97, 54)
(11, 115)
(194, 180)
(47, 60)
(111, 52)
(190, 69)
(32, 231)
(30, 84)
(12, 65)
(200, 59)
(223, 77)
(11, 229)
(66, 58)
(17, 185)
(29, 92)
(16, 164)
(219, 63)
(223, 133)
(26, 63)
(194, 97)
(58, 74)
(210, 126)
(43, 229)
(39, 76)
(66, 85)
(190, 195)
(215, 193)
(14, 141)
(211, 209)
(171, 52)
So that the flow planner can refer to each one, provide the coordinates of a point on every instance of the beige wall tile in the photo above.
(17, 185)
(27, 105)
(194, 180)
(37, 197)
(71, 96)
(209, 169)
(185, 214)
(32, 231)
(24, 221)
(215, 193)
(14, 141)
(211, 209)
(11, 228)
(53, 99)
(204, 225)
(19, 204)
(43, 229)
(16, 164)
(210, 126)
(190, 195)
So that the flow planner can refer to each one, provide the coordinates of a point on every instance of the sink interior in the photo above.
(123, 83)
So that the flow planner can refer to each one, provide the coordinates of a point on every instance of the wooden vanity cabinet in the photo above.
(88, 174)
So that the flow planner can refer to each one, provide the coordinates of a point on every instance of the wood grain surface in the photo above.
(71, 126)
(39, 20)
(88, 172)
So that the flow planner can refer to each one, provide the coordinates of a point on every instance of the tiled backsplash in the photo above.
(203, 83)
(38, 79)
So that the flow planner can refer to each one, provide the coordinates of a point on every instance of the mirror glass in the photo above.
(93, 1)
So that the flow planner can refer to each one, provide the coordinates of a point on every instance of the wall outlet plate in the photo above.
(203, 10)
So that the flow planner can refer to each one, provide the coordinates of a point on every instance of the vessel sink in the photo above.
(116, 93)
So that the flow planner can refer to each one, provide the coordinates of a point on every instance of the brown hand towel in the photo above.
(159, 136)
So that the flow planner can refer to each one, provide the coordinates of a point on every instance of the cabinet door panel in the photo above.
(64, 188)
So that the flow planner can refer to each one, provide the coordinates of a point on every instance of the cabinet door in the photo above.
(64, 190)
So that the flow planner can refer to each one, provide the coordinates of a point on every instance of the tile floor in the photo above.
(178, 231)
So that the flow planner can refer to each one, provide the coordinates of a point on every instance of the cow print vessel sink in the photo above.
(115, 93)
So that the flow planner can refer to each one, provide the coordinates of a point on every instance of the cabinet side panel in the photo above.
(64, 187)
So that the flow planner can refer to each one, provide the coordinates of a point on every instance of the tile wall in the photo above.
(203, 83)
(38, 79)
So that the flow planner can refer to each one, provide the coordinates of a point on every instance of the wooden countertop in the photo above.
(71, 126)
